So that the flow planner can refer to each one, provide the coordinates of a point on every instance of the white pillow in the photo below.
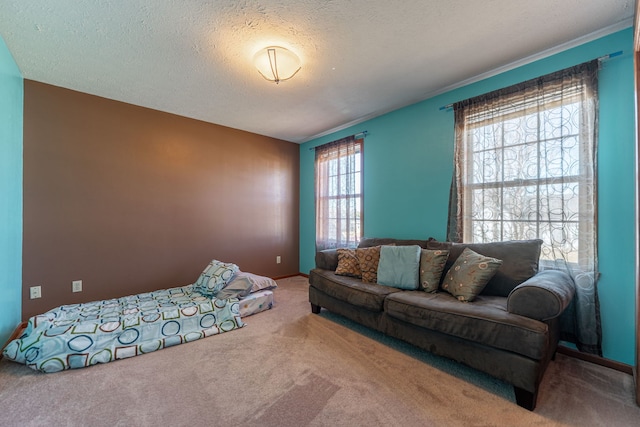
(258, 283)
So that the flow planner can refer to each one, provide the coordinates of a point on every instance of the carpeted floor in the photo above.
(289, 367)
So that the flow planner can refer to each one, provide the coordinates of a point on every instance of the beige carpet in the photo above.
(289, 367)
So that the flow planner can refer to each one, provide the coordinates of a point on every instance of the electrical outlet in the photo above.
(35, 292)
(278, 259)
(76, 286)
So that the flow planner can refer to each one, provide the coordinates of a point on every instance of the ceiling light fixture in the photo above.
(276, 63)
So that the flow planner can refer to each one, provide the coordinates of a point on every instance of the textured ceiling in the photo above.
(360, 58)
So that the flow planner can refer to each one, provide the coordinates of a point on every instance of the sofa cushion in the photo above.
(469, 275)
(519, 261)
(348, 264)
(366, 242)
(399, 266)
(351, 290)
(369, 258)
(485, 321)
(432, 264)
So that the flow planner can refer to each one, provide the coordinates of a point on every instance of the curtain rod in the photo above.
(358, 135)
(601, 59)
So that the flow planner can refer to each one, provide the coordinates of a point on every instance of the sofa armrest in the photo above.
(327, 259)
(542, 297)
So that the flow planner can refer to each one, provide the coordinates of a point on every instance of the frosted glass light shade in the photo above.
(276, 63)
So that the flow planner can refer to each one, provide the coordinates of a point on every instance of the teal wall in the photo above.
(11, 112)
(408, 164)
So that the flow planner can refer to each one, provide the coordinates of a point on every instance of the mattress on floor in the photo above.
(256, 302)
(80, 335)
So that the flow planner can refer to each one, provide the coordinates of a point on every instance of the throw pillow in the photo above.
(214, 277)
(348, 264)
(432, 264)
(399, 266)
(368, 258)
(469, 275)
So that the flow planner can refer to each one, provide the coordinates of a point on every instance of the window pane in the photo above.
(521, 162)
(560, 121)
(514, 131)
(486, 167)
(520, 230)
(486, 231)
(485, 204)
(520, 203)
(560, 201)
(333, 186)
(560, 157)
(333, 167)
(486, 137)
(561, 241)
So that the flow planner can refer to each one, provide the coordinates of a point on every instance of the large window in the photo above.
(338, 183)
(525, 166)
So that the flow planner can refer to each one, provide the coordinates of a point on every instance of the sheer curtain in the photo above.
(525, 167)
(338, 193)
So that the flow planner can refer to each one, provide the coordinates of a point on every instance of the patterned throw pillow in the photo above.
(432, 264)
(348, 264)
(368, 258)
(469, 275)
(214, 277)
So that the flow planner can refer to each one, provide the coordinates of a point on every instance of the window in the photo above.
(338, 183)
(525, 166)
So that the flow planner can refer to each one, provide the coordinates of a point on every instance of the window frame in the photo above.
(352, 237)
(522, 103)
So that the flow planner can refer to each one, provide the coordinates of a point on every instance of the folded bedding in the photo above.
(256, 302)
(81, 335)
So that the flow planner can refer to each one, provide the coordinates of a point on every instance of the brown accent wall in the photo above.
(129, 199)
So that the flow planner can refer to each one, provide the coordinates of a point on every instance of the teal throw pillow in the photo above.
(399, 266)
(468, 276)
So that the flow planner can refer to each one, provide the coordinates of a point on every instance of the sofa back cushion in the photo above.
(367, 242)
(519, 261)
(327, 259)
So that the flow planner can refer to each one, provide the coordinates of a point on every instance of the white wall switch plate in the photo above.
(278, 259)
(76, 286)
(35, 292)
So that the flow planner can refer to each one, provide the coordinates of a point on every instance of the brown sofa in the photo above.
(510, 331)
